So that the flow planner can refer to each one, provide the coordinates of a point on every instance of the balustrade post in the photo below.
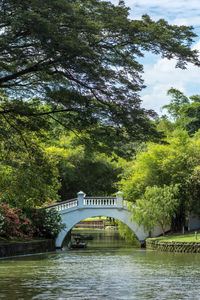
(119, 196)
(81, 195)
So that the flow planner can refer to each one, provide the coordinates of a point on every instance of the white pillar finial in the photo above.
(119, 199)
(81, 195)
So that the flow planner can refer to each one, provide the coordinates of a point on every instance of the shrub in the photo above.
(15, 223)
(39, 223)
(26, 226)
(47, 223)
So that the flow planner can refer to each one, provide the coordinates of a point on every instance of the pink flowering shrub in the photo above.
(26, 226)
(30, 223)
(16, 224)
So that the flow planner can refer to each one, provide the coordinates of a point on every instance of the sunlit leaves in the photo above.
(156, 206)
(175, 163)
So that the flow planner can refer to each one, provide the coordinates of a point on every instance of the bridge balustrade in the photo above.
(66, 205)
(82, 201)
(96, 201)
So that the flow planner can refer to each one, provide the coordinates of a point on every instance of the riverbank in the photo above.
(13, 248)
(189, 243)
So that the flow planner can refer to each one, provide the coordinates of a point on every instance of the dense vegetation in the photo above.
(163, 179)
(32, 223)
(71, 116)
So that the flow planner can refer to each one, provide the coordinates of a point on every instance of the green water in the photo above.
(103, 239)
(101, 273)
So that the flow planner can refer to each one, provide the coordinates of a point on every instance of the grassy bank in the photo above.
(188, 243)
(185, 238)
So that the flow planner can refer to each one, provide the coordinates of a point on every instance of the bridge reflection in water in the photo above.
(75, 210)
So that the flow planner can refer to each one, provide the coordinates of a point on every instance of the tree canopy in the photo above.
(81, 57)
(185, 111)
(77, 64)
(157, 206)
(162, 173)
(81, 169)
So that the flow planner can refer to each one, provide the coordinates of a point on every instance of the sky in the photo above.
(161, 74)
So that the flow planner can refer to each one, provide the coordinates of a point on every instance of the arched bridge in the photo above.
(75, 210)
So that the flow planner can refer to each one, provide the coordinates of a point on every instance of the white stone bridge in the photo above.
(75, 210)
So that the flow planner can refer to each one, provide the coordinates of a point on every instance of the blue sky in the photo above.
(160, 74)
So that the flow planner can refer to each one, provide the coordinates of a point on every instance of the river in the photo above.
(107, 270)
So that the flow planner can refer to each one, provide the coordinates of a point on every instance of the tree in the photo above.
(165, 126)
(190, 116)
(80, 169)
(185, 111)
(128, 234)
(28, 178)
(157, 206)
(174, 163)
(178, 100)
(81, 57)
(28, 174)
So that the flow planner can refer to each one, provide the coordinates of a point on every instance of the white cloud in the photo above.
(197, 46)
(164, 71)
(180, 12)
(157, 97)
(163, 75)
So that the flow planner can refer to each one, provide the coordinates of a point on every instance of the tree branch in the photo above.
(18, 74)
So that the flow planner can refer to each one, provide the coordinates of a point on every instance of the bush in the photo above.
(26, 227)
(39, 223)
(14, 223)
(47, 223)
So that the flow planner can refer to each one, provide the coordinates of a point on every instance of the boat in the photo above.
(78, 244)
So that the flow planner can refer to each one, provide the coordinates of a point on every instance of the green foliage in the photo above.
(82, 58)
(190, 117)
(184, 111)
(156, 206)
(28, 176)
(175, 163)
(80, 169)
(165, 126)
(48, 223)
(128, 234)
(178, 100)
(28, 179)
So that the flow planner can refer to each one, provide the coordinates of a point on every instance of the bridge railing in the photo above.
(100, 201)
(81, 201)
(64, 205)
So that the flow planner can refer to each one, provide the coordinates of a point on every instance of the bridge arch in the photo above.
(75, 210)
(76, 216)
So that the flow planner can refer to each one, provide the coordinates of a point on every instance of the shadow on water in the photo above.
(101, 239)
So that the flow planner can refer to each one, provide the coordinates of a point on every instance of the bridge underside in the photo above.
(73, 216)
